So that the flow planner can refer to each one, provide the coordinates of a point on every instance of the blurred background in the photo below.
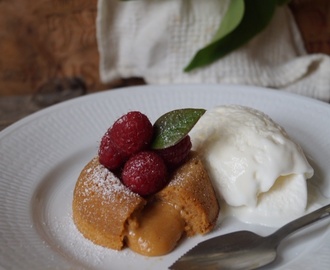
(49, 50)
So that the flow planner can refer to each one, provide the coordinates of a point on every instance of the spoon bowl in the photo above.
(243, 249)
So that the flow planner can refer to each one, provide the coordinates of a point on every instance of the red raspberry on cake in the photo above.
(109, 155)
(176, 154)
(145, 173)
(131, 133)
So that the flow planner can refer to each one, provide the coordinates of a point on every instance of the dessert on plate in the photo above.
(151, 185)
(142, 196)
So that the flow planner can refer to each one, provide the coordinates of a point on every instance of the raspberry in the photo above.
(131, 133)
(109, 155)
(145, 173)
(176, 154)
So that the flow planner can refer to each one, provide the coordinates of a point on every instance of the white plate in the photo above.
(42, 155)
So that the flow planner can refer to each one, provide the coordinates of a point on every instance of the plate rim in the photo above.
(128, 90)
(162, 87)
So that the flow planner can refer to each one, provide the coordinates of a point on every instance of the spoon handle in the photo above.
(301, 222)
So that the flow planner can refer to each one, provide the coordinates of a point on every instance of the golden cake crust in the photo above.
(191, 191)
(102, 205)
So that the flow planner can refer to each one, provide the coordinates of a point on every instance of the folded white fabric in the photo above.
(155, 39)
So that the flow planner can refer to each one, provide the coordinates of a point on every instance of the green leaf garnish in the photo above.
(173, 126)
(257, 15)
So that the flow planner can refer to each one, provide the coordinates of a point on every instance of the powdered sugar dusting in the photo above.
(76, 247)
(179, 178)
(60, 231)
(73, 241)
(102, 181)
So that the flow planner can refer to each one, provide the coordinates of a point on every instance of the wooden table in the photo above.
(42, 42)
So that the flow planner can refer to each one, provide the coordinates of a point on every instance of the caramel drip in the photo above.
(156, 230)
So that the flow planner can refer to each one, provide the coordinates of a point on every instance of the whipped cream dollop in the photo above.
(256, 168)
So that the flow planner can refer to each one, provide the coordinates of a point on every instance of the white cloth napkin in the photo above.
(155, 39)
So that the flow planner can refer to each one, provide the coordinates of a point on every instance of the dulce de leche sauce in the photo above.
(156, 230)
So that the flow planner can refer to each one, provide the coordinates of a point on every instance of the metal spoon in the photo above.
(243, 249)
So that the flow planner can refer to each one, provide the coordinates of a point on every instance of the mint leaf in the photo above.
(257, 15)
(173, 126)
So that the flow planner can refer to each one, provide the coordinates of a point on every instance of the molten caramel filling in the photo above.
(155, 230)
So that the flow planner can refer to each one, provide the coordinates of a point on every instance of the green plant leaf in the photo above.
(231, 19)
(173, 126)
(257, 15)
